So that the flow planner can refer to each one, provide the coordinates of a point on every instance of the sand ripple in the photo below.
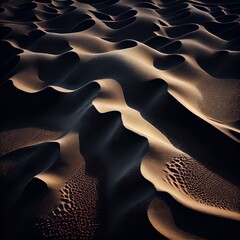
(119, 119)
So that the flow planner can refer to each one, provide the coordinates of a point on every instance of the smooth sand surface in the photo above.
(119, 119)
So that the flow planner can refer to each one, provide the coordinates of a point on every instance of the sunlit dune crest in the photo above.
(119, 119)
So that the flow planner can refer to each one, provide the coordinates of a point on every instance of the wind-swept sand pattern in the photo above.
(119, 119)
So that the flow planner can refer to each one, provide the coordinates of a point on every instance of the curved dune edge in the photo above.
(179, 86)
(161, 218)
(160, 150)
(181, 89)
(78, 197)
(108, 102)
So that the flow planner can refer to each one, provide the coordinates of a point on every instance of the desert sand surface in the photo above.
(119, 119)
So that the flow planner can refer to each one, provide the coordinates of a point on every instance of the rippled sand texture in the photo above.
(119, 119)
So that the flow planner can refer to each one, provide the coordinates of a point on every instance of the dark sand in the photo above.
(119, 119)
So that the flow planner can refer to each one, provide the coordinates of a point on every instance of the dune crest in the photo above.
(119, 118)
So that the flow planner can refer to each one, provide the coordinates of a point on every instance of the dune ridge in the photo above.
(105, 105)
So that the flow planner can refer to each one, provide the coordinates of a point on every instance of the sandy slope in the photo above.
(119, 119)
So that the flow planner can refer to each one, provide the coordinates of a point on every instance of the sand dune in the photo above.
(119, 119)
